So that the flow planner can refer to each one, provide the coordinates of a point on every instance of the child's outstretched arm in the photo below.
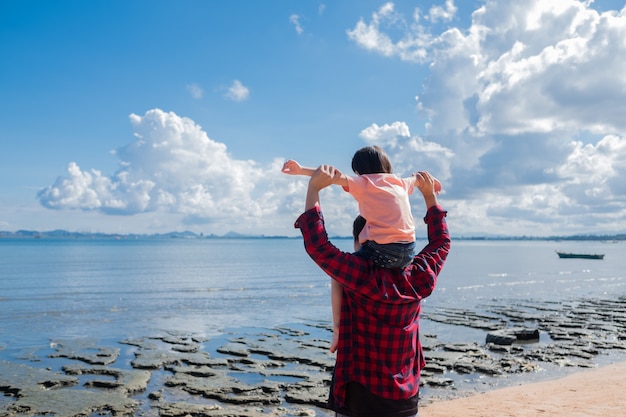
(292, 167)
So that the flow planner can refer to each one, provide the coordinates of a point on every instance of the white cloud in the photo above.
(445, 13)
(195, 90)
(385, 132)
(372, 36)
(528, 104)
(594, 174)
(562, 60)
(295, 21)
(174, 167)
(237, 91)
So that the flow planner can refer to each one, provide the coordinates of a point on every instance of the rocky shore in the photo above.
(286, 371)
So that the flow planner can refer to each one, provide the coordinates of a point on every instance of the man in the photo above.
(379, 356)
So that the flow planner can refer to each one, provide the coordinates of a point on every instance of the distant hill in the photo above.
(58, 234)
(170, 235)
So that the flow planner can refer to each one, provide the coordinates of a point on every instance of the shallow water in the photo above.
(110, 288)
(60, 288)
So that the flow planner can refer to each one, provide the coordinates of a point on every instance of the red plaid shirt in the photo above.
(379, 344)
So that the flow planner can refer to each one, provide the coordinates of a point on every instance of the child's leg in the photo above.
(335, 301)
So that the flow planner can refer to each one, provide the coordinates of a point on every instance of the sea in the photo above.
(117, 288)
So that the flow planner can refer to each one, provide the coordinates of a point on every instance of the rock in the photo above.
(439, 382)
(33, 393)
(237, 349)
(511, 335)
(464, 367)
(85, 350)
(131, 381)
(156, 395)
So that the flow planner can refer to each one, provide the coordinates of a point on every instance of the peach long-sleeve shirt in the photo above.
(384, 202)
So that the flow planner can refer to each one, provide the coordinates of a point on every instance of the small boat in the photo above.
(569, 255)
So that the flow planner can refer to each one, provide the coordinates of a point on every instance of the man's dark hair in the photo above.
(371, 160)
(357, 226)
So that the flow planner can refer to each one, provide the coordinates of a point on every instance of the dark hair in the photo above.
(371, 160)
(357, 226)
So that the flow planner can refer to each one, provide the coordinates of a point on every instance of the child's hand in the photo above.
(291, 167)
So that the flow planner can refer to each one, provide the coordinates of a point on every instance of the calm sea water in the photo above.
(113, 289)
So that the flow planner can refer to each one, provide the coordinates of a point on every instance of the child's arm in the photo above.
(336, 292)
(291, 167)
(419, 179)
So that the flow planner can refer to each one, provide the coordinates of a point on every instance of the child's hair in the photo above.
(371, 160)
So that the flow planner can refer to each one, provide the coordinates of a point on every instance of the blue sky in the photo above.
(153, 116)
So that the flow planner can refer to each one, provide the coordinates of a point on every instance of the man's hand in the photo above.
(437, 185)
(324, 176)
(426, 183)
(321, 178)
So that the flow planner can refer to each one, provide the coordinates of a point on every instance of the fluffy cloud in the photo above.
(174, 167)
(446, 13)
(372, 36)
(527, 106)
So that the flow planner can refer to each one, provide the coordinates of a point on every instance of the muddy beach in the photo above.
(285, 371)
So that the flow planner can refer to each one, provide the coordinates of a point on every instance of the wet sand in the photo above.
(591, 393)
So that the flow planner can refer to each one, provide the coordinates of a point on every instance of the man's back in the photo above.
(379, 332)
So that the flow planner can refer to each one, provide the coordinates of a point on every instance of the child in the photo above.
(388, 238)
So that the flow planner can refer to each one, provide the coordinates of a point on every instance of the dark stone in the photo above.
(509, 336)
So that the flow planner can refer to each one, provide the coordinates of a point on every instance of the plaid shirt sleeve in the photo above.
(328, 257)
(379, 343)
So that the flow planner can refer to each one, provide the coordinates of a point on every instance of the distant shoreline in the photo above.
(63, 234)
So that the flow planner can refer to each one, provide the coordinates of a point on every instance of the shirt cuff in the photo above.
(311, 214)
(435, 212)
